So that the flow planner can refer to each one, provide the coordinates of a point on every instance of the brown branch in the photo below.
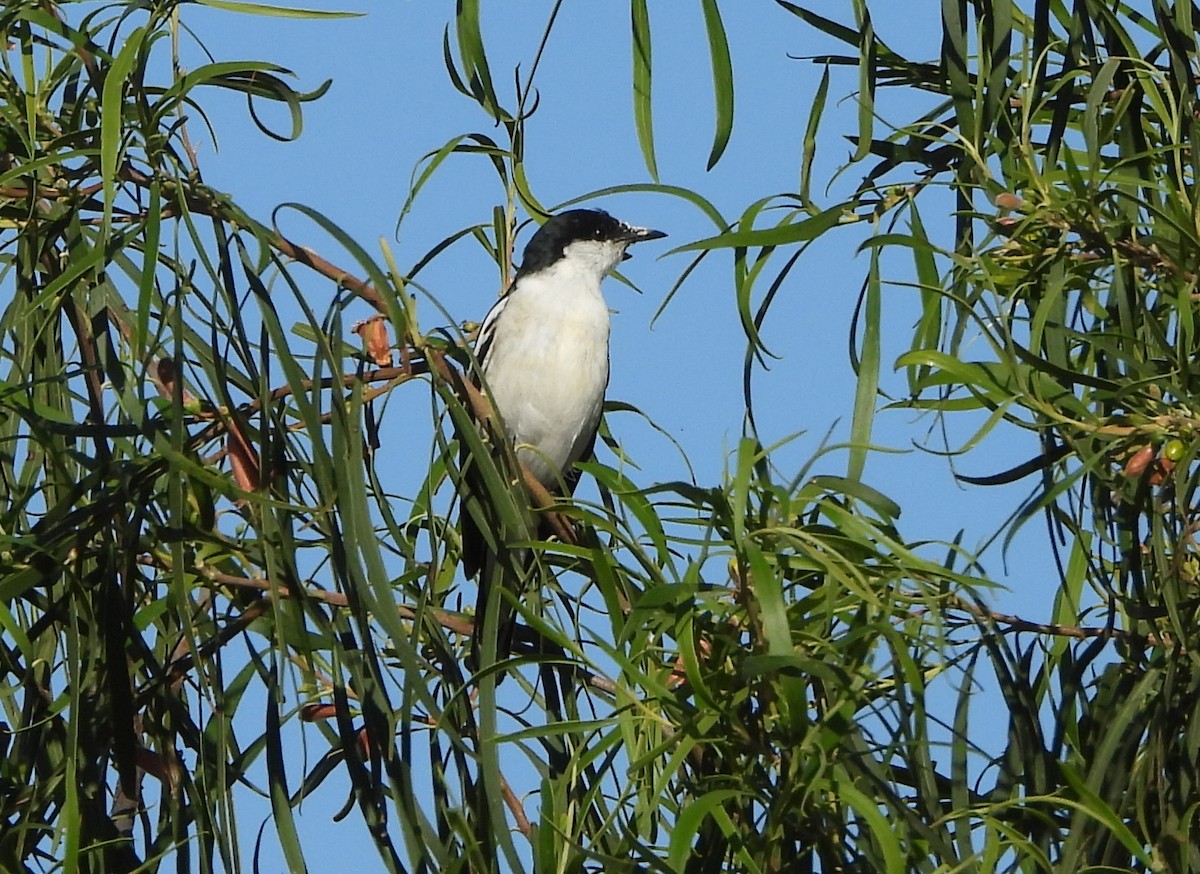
(1150, 258)
(311, 259)
(282, 244)
(543, 500)
(514, 806)
(1017, 624)
(16, 192)
(444, 618)
(179, 668)
(348, 380)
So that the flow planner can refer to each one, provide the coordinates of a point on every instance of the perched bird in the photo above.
(543, 355)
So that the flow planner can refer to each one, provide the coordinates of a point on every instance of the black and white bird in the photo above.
(543, 355)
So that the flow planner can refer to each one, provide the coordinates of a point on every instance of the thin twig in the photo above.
(1017, 624)
(444, 618)
(514, 806)
(46, 192)
(455, 622)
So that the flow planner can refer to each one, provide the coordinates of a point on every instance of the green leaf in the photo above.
(643, 105)
(474, 57)
(112, 114)
(867, 69)
(275, 11)
(781, 235)
(810, 136)
(867, 370)
(281, 808)
(848, 35)
(722, 71)
(887, 509)
(882, 830)
(687, 826)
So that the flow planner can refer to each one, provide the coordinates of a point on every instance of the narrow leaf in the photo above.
(722, 70)
(642, 73)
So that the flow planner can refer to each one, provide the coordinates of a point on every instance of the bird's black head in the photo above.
(550, 242)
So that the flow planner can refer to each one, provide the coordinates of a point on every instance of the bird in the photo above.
(543, 363)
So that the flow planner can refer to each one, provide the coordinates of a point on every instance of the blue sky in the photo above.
(391, 103)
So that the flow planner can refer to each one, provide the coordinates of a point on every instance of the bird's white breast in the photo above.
(547, 367)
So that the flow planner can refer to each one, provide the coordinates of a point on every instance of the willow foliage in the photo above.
(204, 567)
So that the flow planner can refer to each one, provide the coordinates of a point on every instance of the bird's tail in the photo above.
(490, 518)
(501, 578)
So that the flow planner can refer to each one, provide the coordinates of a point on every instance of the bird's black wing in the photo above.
(474, 543)
(478, 558)
(483, 557)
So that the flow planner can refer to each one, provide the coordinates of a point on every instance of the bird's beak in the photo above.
(637, 235)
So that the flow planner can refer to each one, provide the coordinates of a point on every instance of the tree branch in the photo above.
(1013, 623)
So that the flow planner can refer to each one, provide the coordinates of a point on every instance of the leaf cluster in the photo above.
(206, 564)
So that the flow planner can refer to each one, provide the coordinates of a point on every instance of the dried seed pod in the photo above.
(317, 710)
(1139, 461)
(1008, 200)
(243, 460)
(374, 334)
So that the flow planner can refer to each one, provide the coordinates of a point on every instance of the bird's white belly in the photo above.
(554, 377)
